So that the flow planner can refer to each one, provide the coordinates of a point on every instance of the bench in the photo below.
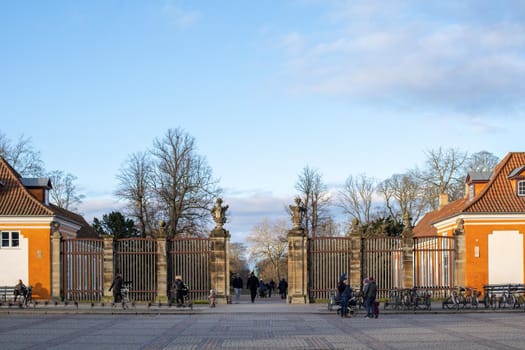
(7, 293)
(499, 289)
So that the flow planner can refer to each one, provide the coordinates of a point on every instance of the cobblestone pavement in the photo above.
(266, 325)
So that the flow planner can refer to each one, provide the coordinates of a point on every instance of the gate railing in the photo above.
(328, 258)
(434, 259)
(135, 259)
(82, 267)
(383, 259)
(190, 259)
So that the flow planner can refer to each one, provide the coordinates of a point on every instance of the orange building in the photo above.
(491, 219)
(27, 220)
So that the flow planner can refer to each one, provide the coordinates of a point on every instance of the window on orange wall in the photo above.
(521, 188)
(10, 239)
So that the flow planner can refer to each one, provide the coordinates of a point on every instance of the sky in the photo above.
(266, 88)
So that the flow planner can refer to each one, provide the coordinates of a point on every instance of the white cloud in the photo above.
(406, 54)
(182, 18)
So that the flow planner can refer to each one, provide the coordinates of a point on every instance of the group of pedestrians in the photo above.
(369, 292)
(256, 285)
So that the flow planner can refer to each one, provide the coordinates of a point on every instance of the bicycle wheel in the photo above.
(449, 303)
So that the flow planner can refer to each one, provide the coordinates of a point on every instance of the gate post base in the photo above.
(297, 299)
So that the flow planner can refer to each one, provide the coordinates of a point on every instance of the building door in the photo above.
(505, 257)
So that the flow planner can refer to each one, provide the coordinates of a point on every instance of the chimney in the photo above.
(443, 200)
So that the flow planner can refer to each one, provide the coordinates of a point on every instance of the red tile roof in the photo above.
(498, 197)
(15, 200)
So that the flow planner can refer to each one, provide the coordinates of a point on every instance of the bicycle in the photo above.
(455, 300)
(124, 293)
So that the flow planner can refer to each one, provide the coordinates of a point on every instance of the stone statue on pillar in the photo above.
(298, 211)
(218, 213)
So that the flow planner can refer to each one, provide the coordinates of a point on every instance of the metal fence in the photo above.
(328, 258)
(382, 258)
(190, 259)
(82, 269)
(434, 259)
(136, 259)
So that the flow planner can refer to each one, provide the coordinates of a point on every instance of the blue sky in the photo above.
(266, 88)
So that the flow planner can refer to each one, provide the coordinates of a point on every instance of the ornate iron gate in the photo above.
(382, 258)
(136, 259)
(190, 259)
(328, 258)
(82, 269)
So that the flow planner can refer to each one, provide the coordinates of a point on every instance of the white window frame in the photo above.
(521, 188)
(12, 238)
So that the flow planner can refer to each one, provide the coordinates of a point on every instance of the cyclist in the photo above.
(20, 289)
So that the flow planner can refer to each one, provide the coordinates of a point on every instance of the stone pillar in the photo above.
(108, 267)
(354, 275)
(162, 264)
(460, 252)
(56, 273)
(407, 247)
(297, 267)
(220, 264)
(408, 263)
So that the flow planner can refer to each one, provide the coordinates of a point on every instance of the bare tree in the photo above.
(183, 183)
(64, 191)
(443, 174)
(355, 199)
(268, 241)
(136, 188)
(403, 197)
(315, 198)
(482, 162)
(22, 156)
(238, 259)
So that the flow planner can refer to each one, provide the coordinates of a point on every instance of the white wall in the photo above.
(505, 257)
(14, 264)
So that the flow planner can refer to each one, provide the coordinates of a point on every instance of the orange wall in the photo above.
(476, 271)
(39, 256)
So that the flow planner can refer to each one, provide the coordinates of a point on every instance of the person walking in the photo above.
(237, 287)
(252, 284)
(345, 296)
(283, 288)
(271, 287)
(116, 286)
(369, 294)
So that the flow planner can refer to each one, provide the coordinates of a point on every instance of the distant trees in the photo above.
(356, 197)
(116, 225)
(387, 206)
(238, 259)
(26, 160)
(170, 182)
(269, 244)
(315, 197)
(64, 193)
(22, 156)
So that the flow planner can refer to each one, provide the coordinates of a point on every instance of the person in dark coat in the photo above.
(345, 296)
(20, 289)
(180, 290)
(116, 286)
(283, 287)
(237, 287)
(252, 284)
(369, 295)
